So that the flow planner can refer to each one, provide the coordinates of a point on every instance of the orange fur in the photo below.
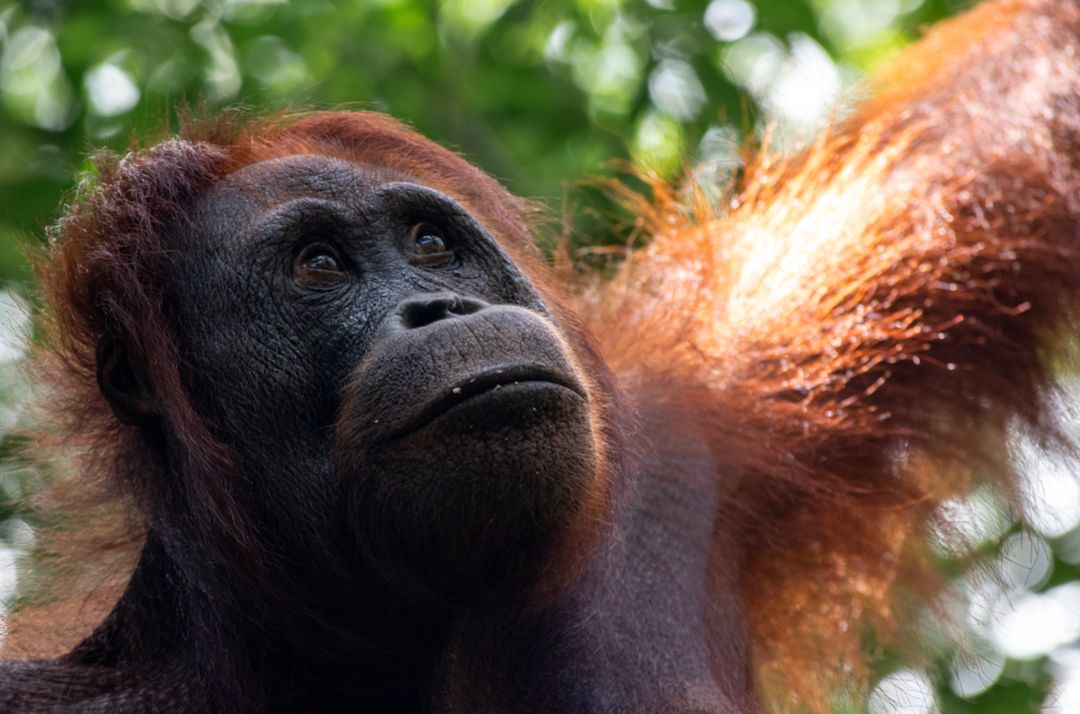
(861, 326)
(854, 335)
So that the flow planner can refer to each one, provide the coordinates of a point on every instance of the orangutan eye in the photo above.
(318, 263)
(430, 245)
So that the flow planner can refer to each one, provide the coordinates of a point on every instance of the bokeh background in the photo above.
(547, 96)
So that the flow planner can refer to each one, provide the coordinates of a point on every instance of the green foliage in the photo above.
(537, 93)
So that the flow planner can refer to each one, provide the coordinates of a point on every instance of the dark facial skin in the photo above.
(393, 387)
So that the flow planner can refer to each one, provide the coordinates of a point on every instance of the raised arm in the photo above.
(857, 333)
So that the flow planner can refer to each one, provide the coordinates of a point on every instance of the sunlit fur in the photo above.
(854, 333)
(859, 328)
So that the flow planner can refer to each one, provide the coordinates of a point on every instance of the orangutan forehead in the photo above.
(274, 181)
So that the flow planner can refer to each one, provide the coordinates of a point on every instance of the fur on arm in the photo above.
(863, 326)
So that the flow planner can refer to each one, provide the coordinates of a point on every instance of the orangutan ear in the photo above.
(124, 383)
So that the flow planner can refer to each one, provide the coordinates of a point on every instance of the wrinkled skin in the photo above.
(409, 437)
(431, 395)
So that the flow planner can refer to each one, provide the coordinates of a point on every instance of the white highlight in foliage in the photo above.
(730, 20)
(1024, 562)
(808, 85)
(676, 90)
(222, 75)
(14, 327)
(1039, 623)
(720, 144)
(9, 581)
(797, 85)
(754, 61)
(1049, 485)
(853, 23)
(969, 522)
(31, 75)
(18, 539)
(31, 59)
(472, 16)
(557, 47)
(905, 691)
(110, 90)
(987, 601)
(176, 9)
(975, 668)
(609, 72)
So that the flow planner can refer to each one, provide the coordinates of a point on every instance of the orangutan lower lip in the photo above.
(488, 381)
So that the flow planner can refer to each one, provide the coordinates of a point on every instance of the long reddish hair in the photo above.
(854, 334)
(866, 322)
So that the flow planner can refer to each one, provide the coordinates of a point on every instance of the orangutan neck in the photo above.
(653, 625)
